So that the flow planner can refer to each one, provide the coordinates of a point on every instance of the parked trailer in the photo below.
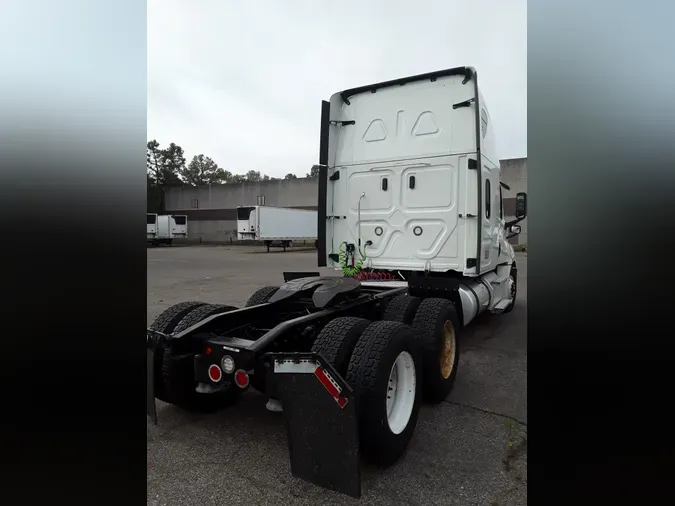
(167, 228)
(276, 226)
(415, 222)
(152, 227)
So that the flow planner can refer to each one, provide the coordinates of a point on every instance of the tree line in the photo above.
(166, 167)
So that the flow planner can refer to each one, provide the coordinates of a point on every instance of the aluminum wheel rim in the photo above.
(401, 392)
(448, 350)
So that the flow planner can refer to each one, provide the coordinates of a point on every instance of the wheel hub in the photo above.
(401, 392)
(448, 350)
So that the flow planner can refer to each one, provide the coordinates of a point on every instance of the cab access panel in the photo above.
(408, 151)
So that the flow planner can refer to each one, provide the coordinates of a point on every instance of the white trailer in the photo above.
(167, 228)
(152, 227)
(276, 226)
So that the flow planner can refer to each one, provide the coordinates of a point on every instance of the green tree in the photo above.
(290, 176)
(314, 171)
(202, 170)
(237, 179)
(253, 176)
(163, 167)
(173, 163)
(154, 197)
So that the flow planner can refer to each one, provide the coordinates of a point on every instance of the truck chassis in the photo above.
(331, 350)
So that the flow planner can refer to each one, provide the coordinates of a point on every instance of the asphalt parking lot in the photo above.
(469, 450)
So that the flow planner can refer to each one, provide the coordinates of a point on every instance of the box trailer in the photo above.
(167, 228)
(276, 226)
(411, 216)
(152, 227)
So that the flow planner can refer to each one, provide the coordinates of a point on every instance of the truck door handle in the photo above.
(385, 184)
(411, 182)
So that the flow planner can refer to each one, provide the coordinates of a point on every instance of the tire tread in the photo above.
(336, 340)
(261, 296)
(402, 309)
(201, 313)
(426, 324)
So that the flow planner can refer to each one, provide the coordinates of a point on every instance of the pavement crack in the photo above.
(487, 411)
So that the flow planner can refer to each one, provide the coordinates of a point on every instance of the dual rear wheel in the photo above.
(391, 365)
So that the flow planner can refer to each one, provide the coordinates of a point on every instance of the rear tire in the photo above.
(261, 296)
(201, 313)
(369, 374)
(402, 309)
(336, 341)
(437, 324)
(166, 322)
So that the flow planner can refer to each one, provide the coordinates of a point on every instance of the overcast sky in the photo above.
(242, 81)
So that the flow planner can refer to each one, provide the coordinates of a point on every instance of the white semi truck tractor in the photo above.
(411, 215)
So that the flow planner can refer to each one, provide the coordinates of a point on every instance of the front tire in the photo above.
(514, 289)
(386, 426)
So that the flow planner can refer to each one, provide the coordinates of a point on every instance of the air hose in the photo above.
(343, 257)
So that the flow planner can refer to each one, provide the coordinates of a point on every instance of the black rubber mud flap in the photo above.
(150, 406)
(321, 421)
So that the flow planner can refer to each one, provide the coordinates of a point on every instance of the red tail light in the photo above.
(241, 379)
(215, 374)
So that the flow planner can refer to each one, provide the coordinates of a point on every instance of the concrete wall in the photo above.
(211, 210)
(292, 193)
(212, 231)
(212, 216)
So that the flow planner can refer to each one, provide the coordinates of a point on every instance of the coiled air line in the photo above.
(344, 252)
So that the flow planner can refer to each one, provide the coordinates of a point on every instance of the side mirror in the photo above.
(513, 231)
(521, 205)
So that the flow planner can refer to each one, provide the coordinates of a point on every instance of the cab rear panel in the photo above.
(402, 167)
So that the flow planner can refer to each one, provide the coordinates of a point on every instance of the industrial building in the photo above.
(212, 210)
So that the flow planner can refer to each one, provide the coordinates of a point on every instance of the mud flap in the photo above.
(150, 405)
(320, 413)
